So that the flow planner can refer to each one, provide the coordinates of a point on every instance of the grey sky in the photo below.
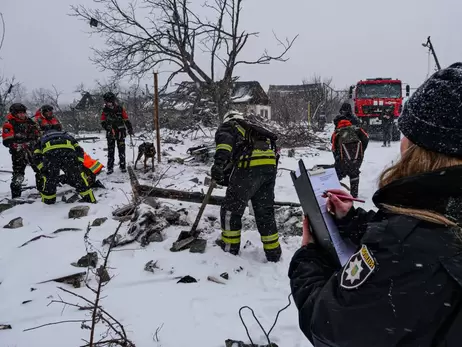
(345, 40)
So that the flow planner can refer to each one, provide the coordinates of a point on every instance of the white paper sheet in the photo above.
(321, 181)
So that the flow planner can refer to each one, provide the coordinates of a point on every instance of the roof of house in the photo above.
(250, 92)
(89, 100)
(295, 88)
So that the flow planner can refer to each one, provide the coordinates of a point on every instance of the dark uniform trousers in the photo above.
(66, 160)
(20, 159)
(118, 137)
(352, 171)
(255, 184)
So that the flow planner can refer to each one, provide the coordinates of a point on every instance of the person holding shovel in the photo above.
(245, 160)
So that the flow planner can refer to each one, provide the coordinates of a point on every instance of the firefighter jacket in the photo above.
(232, 146)
(403, 286)
(92, 164)
(46, 124)
(115, 119)
(53, 140)
(19, 132)
(338, 149)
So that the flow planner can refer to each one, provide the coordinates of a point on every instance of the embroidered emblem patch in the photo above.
(6, 130)
(360, 266)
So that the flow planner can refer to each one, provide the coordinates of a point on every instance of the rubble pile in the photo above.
(147, 223)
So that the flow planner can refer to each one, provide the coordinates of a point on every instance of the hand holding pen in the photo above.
(339, 202)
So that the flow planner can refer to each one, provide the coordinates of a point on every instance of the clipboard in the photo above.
(323, 227)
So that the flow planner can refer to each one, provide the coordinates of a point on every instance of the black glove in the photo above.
(217, 173)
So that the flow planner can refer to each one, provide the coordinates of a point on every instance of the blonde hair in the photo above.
(417, 160)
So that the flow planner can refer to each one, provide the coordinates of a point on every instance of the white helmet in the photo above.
(232, 114)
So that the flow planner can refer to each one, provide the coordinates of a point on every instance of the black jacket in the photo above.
(413, 295)
(346, 116)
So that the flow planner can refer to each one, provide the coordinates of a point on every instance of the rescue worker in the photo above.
(387, 127)
(57, 150)
(346, 113)
(114, 120)
(45, 119)
(20, 134)
(252, 178)
(92, 168)
(403, 285)
(349, 143)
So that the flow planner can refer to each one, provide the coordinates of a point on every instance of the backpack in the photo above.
(349, 143)
(256, 137)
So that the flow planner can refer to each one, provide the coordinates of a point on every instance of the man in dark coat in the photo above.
(114, 120)
(349, 143)
(345, 113)
(19, 134)
(387, 127)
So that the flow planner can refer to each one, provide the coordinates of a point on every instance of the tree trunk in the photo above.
(197, 197)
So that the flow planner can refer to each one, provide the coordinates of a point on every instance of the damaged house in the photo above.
(184, 102)
(292, 103)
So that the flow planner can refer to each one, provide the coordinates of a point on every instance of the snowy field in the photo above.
(195, 314)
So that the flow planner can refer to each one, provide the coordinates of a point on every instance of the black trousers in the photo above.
(20, 159)
(351, 169)
(255, 184)
(117, 137)
(387, 132)
(66, 160)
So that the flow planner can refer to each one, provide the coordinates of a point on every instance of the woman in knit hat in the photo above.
(403, 286)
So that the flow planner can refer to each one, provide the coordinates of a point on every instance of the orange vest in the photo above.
(92, 164)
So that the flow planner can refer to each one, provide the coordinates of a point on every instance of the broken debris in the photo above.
(103, 274)
(14, 223)
(74, 279)
(79, 211)
(89, 260)
(35, 239)
(98, 222)
(187, 279)
(60, 230)
(151, 266)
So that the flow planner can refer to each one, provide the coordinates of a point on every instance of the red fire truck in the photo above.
(375, 96)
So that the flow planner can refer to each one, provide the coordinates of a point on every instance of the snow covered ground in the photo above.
(195, 314)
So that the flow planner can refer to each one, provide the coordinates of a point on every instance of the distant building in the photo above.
(290, 102)
(246, 96)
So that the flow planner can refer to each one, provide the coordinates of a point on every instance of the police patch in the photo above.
(360, 266)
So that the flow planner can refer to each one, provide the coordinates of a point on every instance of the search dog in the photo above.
(149, 151)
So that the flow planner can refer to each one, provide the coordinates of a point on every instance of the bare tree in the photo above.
(8, 88)
(175, 34)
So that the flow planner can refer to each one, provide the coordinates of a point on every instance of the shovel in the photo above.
(186, 238)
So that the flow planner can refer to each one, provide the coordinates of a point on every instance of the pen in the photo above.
(343, 197)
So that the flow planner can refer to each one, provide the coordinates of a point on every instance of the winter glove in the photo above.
(217, 173)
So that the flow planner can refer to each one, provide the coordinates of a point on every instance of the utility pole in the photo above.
(429, 45)
(156, 114)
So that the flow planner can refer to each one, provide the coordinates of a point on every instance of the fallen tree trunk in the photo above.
(196, 197)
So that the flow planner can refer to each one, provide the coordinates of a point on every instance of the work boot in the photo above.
(273, 255)
(228, 248)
